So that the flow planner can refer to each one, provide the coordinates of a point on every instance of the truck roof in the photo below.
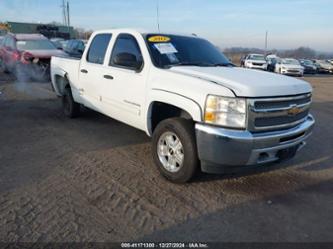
(141, 31)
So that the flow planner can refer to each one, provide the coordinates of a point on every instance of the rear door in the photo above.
(90, 71)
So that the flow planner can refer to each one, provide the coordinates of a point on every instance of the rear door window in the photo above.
(98, 47)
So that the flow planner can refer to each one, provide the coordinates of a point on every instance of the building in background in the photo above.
(3, 28)
(48, 30)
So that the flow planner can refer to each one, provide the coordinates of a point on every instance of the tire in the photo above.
(71, 109)
(183, 130)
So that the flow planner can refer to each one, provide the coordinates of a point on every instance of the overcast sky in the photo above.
(290, 23)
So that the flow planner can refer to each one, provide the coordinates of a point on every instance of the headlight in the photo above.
(225, 111)
(283, 68)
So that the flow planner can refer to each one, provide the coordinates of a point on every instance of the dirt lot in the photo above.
(93, 179)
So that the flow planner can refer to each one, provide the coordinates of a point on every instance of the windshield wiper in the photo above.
(198, 64)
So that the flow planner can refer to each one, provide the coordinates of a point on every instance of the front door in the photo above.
(124, 81)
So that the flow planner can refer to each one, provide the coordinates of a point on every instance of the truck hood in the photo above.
(46, 53)
(247, 82)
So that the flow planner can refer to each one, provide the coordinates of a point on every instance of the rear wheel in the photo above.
(70, 108)
(174, 149)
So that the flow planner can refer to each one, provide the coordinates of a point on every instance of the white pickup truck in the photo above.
(201, 111)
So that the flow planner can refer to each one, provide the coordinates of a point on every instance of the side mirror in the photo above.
(80, 51)
(127, 60)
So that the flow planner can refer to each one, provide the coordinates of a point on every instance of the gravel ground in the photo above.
(93, 179)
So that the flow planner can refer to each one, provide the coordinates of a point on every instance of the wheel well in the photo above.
(160, 111)
(61, 83)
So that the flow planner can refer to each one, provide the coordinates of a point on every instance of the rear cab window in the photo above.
(98, 47)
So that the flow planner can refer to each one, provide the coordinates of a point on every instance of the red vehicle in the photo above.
(28, 55)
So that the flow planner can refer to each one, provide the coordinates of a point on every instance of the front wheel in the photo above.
(71, 109)
(174, 149)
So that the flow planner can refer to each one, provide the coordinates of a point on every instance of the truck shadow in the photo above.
(288, 217)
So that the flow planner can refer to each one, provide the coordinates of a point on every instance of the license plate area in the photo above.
(287, 153)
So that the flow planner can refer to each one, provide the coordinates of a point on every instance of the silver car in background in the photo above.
(323, 66)
(289, 66)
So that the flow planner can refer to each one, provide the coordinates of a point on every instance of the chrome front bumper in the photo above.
(219, 147)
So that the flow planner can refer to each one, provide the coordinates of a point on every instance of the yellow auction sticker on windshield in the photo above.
(159, 38)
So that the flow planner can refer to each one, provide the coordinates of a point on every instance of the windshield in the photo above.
(307, 62)
(290, 61)
(35, 45)
(257, 57)
(171, 50)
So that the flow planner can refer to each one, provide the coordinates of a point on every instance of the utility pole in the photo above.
(65, 13)
(266, 37)
(63, 10)
(68, 19)
(158, 15)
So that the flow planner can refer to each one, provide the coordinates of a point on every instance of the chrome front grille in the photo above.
(268, 114)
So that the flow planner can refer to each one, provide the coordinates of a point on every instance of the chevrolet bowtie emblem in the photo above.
(294, 110)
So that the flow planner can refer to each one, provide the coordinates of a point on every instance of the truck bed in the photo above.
(65, 67)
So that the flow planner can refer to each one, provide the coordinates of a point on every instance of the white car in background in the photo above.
(289, 66)
(255, 61)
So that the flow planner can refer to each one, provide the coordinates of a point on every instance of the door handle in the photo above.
(109, 77)
(84, 71)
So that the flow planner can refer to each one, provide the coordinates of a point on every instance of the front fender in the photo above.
(185, 103)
